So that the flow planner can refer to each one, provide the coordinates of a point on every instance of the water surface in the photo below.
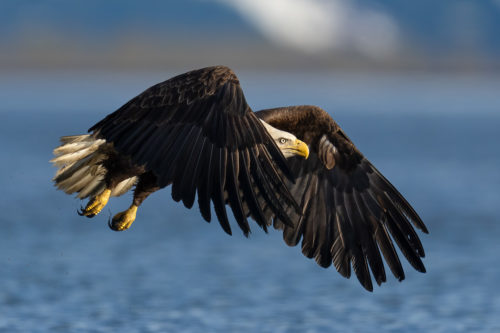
(436, 138)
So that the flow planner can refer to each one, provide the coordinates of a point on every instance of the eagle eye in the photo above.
(282, 140)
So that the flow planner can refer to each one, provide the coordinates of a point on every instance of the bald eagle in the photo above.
(290, 167)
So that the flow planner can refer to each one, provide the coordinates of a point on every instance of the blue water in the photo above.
(435, 137)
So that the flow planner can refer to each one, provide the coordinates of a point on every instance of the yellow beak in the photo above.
(300, 148)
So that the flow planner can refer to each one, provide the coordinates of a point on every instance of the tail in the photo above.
(79, 159)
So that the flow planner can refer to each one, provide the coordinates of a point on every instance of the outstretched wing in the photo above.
(197, 132)
(350, 211)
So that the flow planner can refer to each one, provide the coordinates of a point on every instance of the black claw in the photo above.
(81, 212)
(111, 225)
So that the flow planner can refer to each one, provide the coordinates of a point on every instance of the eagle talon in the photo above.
(95, 205)
(123, 221)
(81, 212)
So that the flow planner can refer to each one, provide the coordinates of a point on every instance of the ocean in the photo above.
(434, 136)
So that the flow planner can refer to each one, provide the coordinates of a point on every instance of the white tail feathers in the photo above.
(79, 159)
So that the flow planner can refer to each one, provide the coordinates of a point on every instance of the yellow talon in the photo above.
(123, 220)
(96, 204)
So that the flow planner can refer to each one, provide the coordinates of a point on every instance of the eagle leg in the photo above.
(146, 185)
(96, 204)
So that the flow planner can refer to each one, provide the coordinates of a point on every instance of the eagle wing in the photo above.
(197, 132)
(350, 211)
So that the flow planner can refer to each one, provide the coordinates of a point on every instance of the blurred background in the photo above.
(416, 85)
(454, 35)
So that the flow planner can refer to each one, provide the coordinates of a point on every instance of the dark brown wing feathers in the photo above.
(197, 132)
(350, 212)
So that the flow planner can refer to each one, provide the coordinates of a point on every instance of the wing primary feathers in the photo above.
(383, 184)
(309, 237)
(233, 194)
(223, 164)
(384, 241)
(266, 191)
(372, 250)
(293, 234)
(217, 190)
(191, 182)
(342, 259)
(181, 189)
(148, 152)
(276, 179)
(174, 154)
(396, 224)
(360, 268)
(213, 128)
(138, 133)
(232, 136)
(345, 233)
(405, 227)
(404, 245)
(359, 263)
(387, 247)
(337, 251)
(318, 218)
(324, 230)
(205, 183)
(238, 139)
(344, 225)
(141, 141)
(163, 160)
(188, 186)
(248, 192)
(412, 258)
